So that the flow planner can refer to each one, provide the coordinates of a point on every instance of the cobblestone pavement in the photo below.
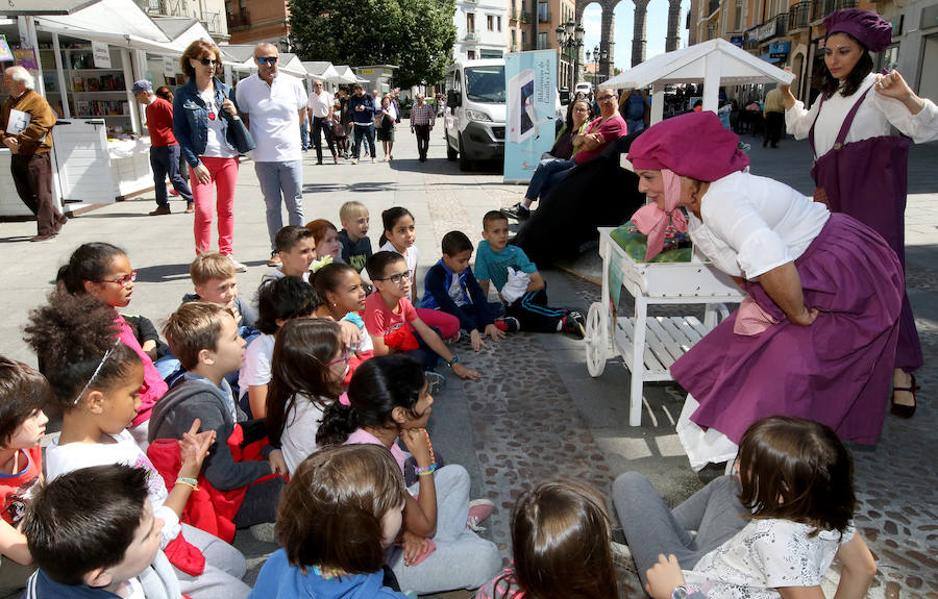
(536, 413)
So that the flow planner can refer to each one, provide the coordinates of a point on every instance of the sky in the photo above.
(624, 13)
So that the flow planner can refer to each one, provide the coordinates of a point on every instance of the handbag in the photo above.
(239, 136)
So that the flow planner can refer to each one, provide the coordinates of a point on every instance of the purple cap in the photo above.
(692, 145)
(867, 27)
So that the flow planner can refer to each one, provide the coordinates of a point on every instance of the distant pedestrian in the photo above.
(774, 111)
(343, 130)
(396, 103)
(211, 136)
(26, 129)
(164, 149)
(362, 108)
(166, 93)
(384, 124)
(321, 107)
(422, 120)
(275, 105)
(635, 110)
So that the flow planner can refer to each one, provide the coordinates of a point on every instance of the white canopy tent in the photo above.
(322, 71)
(346, 75)
(714, 63)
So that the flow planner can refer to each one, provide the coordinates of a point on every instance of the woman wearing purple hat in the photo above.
(860, 167)
(816, 336)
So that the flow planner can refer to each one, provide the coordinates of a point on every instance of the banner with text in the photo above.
(530, 128)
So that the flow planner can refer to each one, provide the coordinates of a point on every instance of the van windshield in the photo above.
(486, 84)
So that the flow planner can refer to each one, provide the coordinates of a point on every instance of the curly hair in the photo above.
(72, 335)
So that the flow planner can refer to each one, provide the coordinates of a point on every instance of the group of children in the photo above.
(306, 421)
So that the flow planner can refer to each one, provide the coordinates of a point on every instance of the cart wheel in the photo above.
(597, 342)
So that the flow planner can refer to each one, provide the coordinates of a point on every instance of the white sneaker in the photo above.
(238, 266)
(373, 161)
(354, 160)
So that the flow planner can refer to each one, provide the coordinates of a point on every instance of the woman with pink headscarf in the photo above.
(816, 336)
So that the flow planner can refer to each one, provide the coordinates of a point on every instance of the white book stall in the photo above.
(649, 345)
(85, 57)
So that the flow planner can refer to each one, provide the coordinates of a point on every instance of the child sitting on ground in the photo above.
(518, 282)
(96, 382)
(339, 514)
(93, 534)
(309, 366)
(389, 401)
(328, 247)
(391, 319)
(205, 338)
(560, 539)
(356, 246)
(342, 293)
(452, 288)
(794, 514)
(296, 249)
(103, 271)
(215, 280)
(23, 395)
(400, 235)
(277, 302)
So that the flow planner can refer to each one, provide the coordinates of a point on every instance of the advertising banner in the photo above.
(531, 115)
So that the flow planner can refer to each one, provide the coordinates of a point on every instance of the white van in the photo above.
(583, 87)
(474, 123)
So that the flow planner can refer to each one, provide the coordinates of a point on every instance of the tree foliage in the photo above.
(416, 35)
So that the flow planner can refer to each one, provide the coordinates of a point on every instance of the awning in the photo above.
(322, 71)
(118, 22)
(35, 8)
(344, 75)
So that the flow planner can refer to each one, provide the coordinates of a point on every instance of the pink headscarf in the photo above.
(654, 222)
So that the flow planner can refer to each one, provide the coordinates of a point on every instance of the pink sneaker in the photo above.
(479, 512)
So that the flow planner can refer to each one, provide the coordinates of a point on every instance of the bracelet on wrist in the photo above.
(425, 471)
(189, 482)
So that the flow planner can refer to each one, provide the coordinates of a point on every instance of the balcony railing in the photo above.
(822, 8)
(471, 36)
(169, 8)
(799, 16)
(240, 19)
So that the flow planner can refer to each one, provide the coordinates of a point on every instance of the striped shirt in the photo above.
(422, 115)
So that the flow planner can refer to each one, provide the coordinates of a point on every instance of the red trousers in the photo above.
(221, 189)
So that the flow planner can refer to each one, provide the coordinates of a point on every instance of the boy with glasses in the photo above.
(392, 321)
(274, 104)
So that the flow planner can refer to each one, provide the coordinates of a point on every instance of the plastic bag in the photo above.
(516, 286)
(677, 245)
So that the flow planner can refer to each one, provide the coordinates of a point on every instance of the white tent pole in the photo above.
(60, 74)
(33, 41)
(711, 95)
(657, 102)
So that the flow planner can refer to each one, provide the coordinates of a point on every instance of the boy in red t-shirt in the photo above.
(23, 393)
(164, 150)
(388, 311)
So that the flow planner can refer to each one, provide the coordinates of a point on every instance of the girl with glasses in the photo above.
(103, 271)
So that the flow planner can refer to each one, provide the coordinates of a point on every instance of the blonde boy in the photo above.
(215, 280)
(356, 246)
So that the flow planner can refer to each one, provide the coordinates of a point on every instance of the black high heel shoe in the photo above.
(903, 410)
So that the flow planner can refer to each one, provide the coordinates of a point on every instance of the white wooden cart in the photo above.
(649, 345)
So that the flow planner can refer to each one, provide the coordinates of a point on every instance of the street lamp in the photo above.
(570, 38)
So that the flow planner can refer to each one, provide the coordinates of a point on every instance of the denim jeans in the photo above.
(548, 171)
(367, 134)
(165, 161)
(281, 181)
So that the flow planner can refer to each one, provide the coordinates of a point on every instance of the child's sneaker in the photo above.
(435, 382)
(508, 324)
(479, 512)
(574, 324)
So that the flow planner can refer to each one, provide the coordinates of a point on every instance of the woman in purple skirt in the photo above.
(860, 167)
(816, 336)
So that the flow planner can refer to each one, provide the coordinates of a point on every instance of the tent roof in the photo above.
(688, 65)
(238, 52)
(43, 7)
(320, 69)
(345, 74)
(119, 22)
(173, 27)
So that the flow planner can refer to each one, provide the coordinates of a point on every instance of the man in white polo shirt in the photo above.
(321, 115)
(274, 105)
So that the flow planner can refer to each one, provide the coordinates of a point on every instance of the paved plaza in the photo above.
(536, 413)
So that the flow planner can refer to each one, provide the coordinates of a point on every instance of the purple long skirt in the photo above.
(837, 371)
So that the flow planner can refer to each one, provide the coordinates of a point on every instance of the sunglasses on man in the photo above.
(268, 60)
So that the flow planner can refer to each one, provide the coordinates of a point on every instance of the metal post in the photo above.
(60, 76)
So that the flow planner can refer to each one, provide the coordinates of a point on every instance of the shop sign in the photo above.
(6, 55)
(737, 40)
(366, 72)
(101, 54)
(26, 58)
(780, 49)
(169, 67)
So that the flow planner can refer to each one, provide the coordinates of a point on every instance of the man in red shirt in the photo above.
(164, 150)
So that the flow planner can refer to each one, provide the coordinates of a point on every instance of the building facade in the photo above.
(917, 43)
(532, 25)
(210, 12)
(482, 29)
(254, 21)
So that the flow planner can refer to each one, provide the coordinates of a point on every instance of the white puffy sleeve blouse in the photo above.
(752, 224)
(875, 118)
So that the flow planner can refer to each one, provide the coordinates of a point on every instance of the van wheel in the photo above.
(451, 154)
(465, 165)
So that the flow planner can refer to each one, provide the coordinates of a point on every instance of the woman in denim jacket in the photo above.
(205, 123)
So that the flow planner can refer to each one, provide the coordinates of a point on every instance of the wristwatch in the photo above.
(455, 360)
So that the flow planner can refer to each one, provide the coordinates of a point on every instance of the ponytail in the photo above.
(389, 218)
(338, 422)
(90, 262)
